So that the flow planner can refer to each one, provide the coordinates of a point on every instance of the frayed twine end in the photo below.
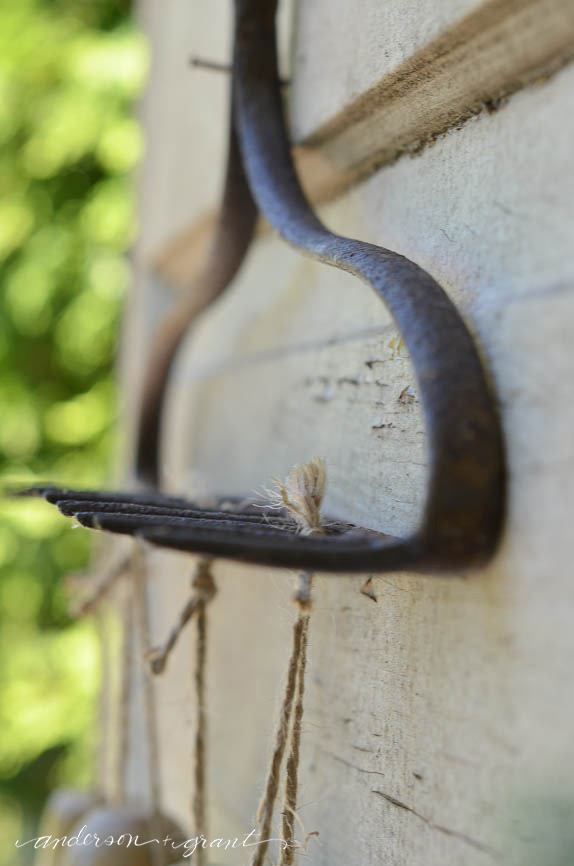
(301, 494)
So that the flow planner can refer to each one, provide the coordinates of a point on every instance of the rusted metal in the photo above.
(463, 512)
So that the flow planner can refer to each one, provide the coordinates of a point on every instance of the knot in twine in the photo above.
(202, 580)
(204, 590)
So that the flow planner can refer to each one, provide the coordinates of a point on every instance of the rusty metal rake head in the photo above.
(232, 529)
(463, 512)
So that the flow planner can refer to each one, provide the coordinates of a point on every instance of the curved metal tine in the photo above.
(71, 507)
(249, 542)
(54, 495)
(352, 551)
(130, 524)
(70, 501)
(464, 506)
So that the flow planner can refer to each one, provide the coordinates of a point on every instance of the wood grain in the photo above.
(472, 66)
(438, 724)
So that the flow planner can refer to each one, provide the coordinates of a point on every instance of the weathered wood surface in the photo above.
(438, 723)
(405, 81)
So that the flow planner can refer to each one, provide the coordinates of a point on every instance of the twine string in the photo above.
(124, 698)
(102, 734)
(200, 793)
(301, 495)
(292, 769)
(139, 576)
(266, 808)
(100, 587)
(101, 580)
(204, 590)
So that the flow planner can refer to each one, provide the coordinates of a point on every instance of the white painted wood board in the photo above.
(464, 682)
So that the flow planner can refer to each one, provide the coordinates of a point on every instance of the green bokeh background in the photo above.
(70, 71)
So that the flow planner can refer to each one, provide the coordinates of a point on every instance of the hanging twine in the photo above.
(292, 769)
(102, 738)
(139, 577)
(100, 584)
(301, 494)
(199, 794)
(124, 697)
(266, 808)
(100, 581)
(204, 590)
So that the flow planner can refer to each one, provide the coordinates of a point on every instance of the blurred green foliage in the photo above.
(69, 72)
